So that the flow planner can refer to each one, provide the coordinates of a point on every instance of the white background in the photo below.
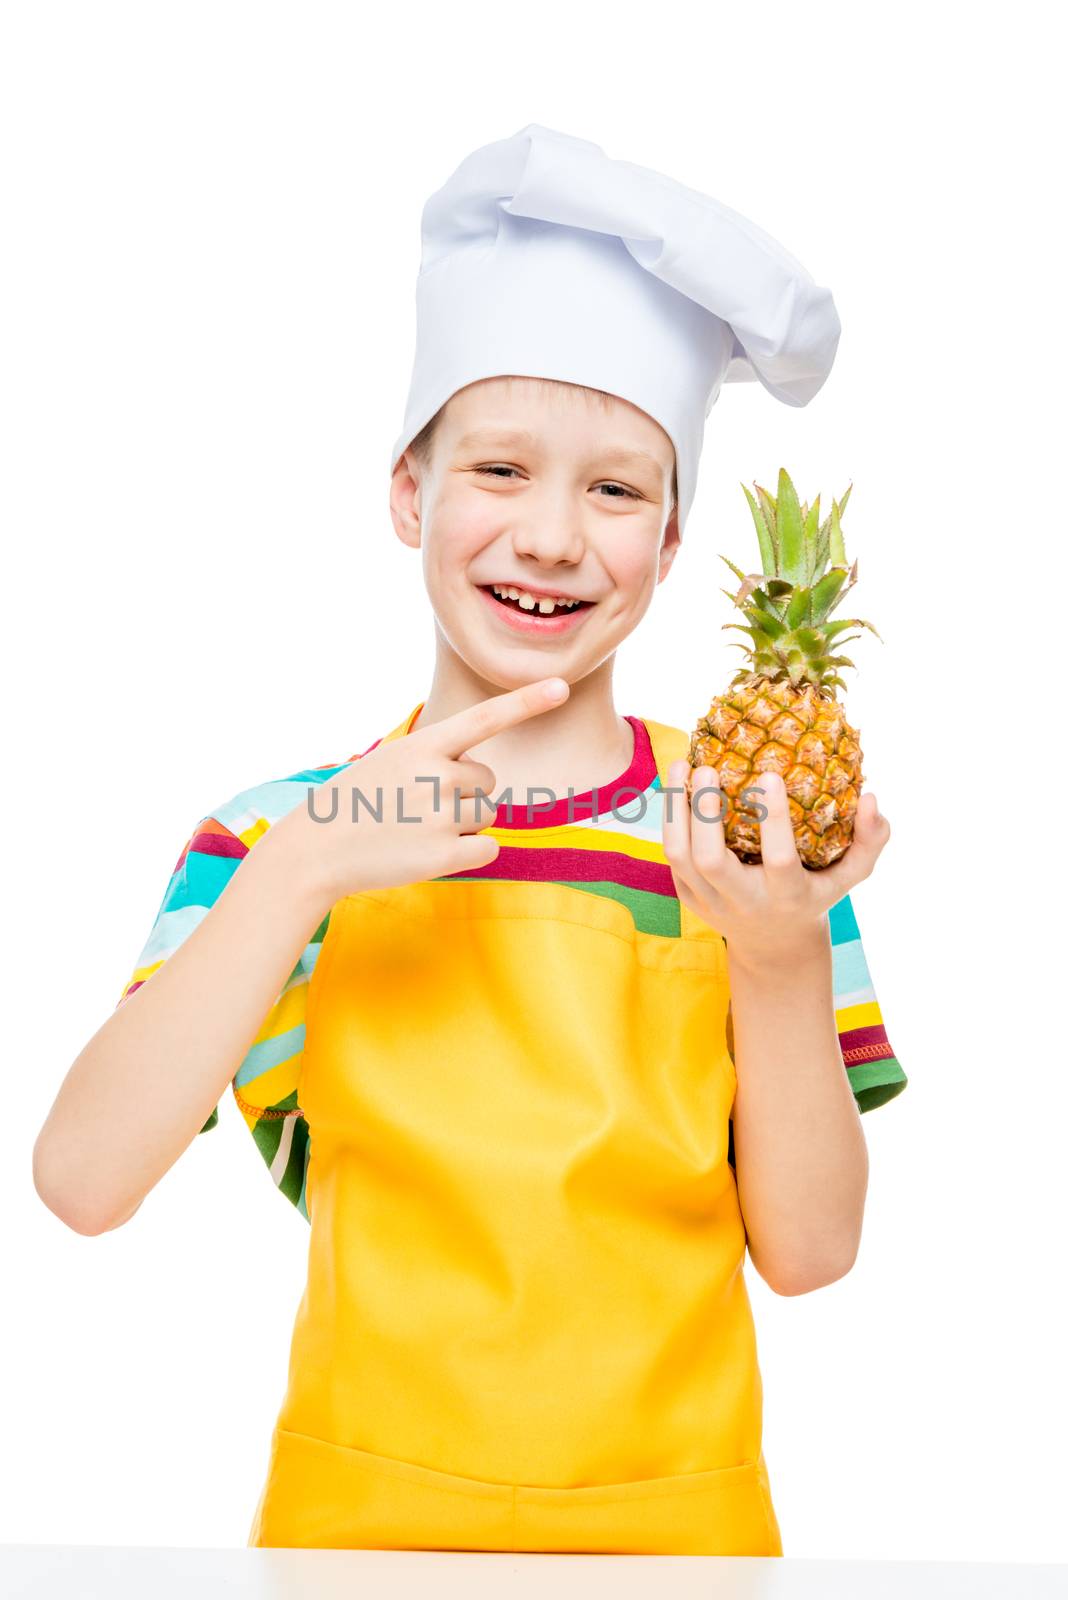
(211, 220)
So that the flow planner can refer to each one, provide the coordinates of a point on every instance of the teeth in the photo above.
(528, 601)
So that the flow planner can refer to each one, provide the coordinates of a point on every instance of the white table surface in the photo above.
(46, 1572)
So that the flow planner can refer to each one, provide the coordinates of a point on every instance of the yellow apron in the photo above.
(525, 1324)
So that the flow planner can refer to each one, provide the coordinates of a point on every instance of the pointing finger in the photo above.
(454, 735)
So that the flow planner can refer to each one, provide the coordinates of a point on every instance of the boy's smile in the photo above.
(532, 610)
(546, 518)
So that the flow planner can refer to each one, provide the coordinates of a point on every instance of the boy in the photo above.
(488, 1053)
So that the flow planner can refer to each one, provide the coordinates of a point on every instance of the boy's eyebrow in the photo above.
(486, 436)
(522, 436)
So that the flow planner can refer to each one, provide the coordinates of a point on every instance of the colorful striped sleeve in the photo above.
(265, 1084)
(874, 1071)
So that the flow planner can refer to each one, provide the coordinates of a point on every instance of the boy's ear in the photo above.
(670, 547)
(404, 501)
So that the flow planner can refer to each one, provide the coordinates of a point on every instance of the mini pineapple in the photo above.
(780, 712)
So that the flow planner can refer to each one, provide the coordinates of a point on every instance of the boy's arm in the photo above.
(801, 1159)
(144, 1085)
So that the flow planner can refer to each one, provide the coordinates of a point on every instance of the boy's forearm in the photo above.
(800, 1155)
(149, 1078)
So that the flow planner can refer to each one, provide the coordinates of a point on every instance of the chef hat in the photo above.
(543, 257)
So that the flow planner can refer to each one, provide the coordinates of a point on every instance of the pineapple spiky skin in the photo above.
(780, 712)
(763, 724)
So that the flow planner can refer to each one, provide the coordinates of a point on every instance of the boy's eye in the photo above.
(489, 471)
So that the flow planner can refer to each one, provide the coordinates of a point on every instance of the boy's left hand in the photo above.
(771, 911)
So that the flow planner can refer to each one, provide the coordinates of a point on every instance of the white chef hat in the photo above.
(543, 257)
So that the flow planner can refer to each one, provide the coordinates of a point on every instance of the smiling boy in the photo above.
(537, 1081)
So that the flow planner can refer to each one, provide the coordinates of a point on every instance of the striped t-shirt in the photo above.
(621, 856)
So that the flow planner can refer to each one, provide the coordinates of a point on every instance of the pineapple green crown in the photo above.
(787, 605)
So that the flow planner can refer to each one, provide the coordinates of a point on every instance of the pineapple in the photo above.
(780, 712)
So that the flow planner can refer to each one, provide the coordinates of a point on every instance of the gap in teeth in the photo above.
(528, 602)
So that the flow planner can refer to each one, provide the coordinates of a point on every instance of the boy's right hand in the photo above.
(425, 790)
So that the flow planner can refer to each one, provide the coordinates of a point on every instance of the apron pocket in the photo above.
(321, 1495)
(330, 1496)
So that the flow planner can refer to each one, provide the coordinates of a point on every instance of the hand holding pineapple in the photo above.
(773, 912)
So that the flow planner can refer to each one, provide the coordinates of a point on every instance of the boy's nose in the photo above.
(551, 536)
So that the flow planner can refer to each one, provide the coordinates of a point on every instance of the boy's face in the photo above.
(545, 488)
